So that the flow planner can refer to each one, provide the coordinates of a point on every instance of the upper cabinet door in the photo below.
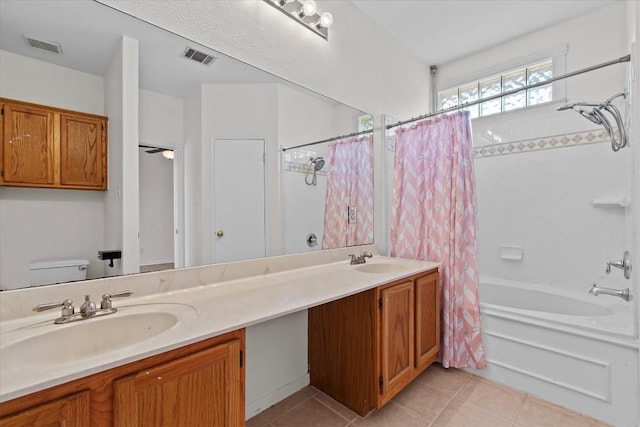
(83, 153)
(28, 145)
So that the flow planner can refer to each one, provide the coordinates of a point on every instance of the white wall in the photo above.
(121, 207)
(30, 80)
(242, 112)
(156, 208)
(192, 181)
(161, 124)
(41, 224)
(541, 200)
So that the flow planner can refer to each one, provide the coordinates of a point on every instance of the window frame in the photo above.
(556, 55)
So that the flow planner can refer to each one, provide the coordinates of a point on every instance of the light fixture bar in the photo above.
(295, 9)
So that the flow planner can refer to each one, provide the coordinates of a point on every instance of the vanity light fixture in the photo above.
(306, 13)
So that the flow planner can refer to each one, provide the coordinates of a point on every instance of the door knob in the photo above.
(220, 233)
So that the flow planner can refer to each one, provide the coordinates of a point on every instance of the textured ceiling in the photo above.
(439, 31)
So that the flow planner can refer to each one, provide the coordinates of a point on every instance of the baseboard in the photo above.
(269, 399)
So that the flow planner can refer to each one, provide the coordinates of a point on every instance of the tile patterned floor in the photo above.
(437, 398)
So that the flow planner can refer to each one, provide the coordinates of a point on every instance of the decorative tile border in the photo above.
(303, 168)
(534, 144)
(547, 143)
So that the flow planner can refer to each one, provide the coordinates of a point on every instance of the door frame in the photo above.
(266, 192)
(178, 200)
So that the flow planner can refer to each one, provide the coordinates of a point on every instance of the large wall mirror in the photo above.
(213, 183)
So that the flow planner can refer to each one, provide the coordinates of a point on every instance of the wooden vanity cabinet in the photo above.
(366, 348)
(52, 148)
(201, 384)
(65, 411)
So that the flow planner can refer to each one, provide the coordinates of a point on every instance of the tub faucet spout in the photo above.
(622, 293)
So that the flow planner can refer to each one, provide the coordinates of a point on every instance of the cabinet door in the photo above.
(68, 411)
(202, 389)
(83, 152)
(427, 293)
(28, 145)
(396, 339)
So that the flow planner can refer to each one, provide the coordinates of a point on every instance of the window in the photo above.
(497, 84)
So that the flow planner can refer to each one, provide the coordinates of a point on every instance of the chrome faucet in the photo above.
(624, 264)
(355, 260)
(88, 309)
(622, 293)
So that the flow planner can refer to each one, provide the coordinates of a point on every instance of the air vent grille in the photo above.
(198, 56)
(44, 45)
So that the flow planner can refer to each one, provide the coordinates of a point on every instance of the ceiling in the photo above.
(89, 33)
(439, 31)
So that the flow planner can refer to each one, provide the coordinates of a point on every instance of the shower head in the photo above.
(597, 116)
(318, 163)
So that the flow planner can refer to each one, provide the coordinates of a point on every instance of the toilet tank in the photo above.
(58, 271)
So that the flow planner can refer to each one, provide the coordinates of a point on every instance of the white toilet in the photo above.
(58, 271)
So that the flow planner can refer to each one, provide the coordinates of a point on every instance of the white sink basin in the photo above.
(380, 268)
(55, 345)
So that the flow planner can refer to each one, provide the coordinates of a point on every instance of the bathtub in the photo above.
(570, 348)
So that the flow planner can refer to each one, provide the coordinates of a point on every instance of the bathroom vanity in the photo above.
(372, 328)
(199, 384)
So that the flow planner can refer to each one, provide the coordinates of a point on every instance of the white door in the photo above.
(238, 200)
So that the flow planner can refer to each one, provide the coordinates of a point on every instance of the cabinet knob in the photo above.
(220, 233)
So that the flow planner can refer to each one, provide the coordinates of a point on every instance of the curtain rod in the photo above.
(625, 58)
(329, 139)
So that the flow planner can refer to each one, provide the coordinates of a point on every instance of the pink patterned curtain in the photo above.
(434, 218)
(349, 185)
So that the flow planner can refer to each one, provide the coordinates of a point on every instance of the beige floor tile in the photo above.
(498, 400)
(461, 414)
(538, 413)
(392, 415)
(310, 413)
(258, 421)
(336, 407)
(448, 381)
(311, 390)
(423, 399)
(281, 407)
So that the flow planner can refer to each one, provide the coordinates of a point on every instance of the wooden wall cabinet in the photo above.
(198, 385)
(366, 348)
(52, 148)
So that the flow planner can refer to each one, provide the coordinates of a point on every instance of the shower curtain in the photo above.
(349, 188)
(434, 218)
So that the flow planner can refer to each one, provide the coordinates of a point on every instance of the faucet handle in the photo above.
(366, 254)
(106, 298)
(88, 307)
(67, 307)
(624, 264)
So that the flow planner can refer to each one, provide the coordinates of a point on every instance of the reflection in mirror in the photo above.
(209, 110)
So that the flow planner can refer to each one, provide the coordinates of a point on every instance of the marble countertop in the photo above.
(204, 311)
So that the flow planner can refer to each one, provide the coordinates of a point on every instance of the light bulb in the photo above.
(326, 20)
(168, 154)
(309, 8)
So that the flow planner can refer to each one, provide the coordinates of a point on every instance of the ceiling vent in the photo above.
(198, 56)
(44, 45)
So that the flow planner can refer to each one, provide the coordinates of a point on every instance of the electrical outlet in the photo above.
(352, 215)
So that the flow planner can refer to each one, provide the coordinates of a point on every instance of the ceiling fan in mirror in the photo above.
(168, 154)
